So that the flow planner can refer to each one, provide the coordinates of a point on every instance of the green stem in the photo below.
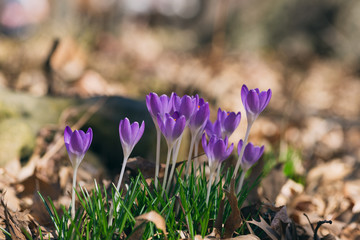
(174, 160)
(209, 187)
(241, 182)
(192, 143)
(242, 150)
(218, 173)
(196, 160)
(157, 166)
(111, 212)
(73, 192)
(167, 166)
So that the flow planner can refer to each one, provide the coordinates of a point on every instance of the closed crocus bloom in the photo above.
(251, 155)
(130, 135)
(216, 150)
(254, 101)
(171, 126)
(229, 121)
(185, 105)
(213, 129)
(159, 105)
(77, 143)
(199, 118)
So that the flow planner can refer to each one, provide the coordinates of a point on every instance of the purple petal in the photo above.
(76, 144)
(219, 149)
(221, 115)
(231, 122)
(139, 133)
(252, 102)
(217, 129)
(67, 134)
(160, 123)
(155, 104)
(125, 132)
(176, 102)
(166, 105)
(229, 151)
(265, 99)
(187, 106)
(179, 127)
(244, 93)
(200, 117)
(88, 139)
(169, 128)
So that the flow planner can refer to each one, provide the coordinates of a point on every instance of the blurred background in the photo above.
(306, 51)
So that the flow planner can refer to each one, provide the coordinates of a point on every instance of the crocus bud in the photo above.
(216, 150)
(77, 143)
(171, 126)
(229, 121)
(159, 105)
(251, 155)
(199, 119)
(185, 105)
(130, 135)
(254, 102)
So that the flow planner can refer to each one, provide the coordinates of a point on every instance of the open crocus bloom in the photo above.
(251, 155)
(130, 135)
(77, 143)
(254, 101)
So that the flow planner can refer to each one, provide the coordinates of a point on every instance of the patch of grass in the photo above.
(184, 208)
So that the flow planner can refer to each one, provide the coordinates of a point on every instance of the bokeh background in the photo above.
(306, 51)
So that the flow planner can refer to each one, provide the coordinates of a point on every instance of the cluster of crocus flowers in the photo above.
(77, 143)
(171, 115)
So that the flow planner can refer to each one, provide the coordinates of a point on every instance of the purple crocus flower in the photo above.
(130, 135)
(185, 105)
(251, 155)
(77, 143)
(213, 129)
(254, 101)
(216, 150)
(229, 121)
(159, 105)
(171, 126)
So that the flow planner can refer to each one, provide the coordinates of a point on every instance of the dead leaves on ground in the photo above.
(151, 216)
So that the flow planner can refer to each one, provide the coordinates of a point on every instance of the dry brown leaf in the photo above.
(14, 224)
(234, 220)
(280, 217)
(218, 222)
(266, 228)
(151, 216)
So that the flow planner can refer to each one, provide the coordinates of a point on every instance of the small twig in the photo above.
(48, 68)
(318, 225)
(309, 222)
